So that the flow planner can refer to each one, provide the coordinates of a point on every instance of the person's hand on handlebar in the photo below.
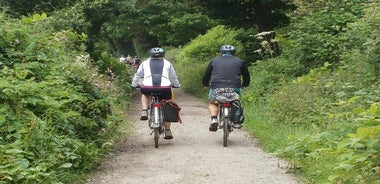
(137, 87)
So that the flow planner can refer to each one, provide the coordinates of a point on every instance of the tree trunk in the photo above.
(263, 12)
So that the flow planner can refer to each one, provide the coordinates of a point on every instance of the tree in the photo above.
(265, 14)
(27, 7)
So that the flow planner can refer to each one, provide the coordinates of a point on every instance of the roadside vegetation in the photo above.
(59, 113)
(314, 99)
(316, 105)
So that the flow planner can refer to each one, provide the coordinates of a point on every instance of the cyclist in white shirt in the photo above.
(157, 74)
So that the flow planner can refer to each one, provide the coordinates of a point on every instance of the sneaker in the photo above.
(213, 125)
(236, 125)
(144, 115)
(168, 134)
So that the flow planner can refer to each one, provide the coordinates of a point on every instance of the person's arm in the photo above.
(207, 76)
(173, 77)
(246, 75)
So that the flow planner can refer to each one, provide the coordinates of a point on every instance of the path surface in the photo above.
(194, 156)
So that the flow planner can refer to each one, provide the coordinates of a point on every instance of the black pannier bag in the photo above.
(237, 115)
(171, 111)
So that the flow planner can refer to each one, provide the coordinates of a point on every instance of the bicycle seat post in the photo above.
(155, 97)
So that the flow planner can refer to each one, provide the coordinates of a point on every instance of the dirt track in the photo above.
(194, 156)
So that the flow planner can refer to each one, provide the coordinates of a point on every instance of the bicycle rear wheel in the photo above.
(156, 136)
(226, 131)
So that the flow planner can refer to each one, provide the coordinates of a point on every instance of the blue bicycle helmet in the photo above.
(157, 52)
(227, 49)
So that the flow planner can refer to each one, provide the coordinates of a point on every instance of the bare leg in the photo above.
(167, 125)
(213, 109)
(145, 104)
(145, 101)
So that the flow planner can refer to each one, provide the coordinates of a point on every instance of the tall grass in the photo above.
(273, 135)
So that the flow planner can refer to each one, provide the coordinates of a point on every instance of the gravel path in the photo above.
(194, 156)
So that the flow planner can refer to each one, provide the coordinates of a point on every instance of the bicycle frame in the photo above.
(155, 106)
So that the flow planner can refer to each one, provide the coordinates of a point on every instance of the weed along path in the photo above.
(194, 156)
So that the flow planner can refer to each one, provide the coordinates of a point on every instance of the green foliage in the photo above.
(301, 99)
(359, 153)
(326, 123)
(192, 84)
(353, 149)
(268, 75)
(70, 18)
(153, 23)
(309, 101)
(172, 54)
(184, 28)
(320, 31)
(56, 117)
(272, 134)
(266, 14)
(28, 7)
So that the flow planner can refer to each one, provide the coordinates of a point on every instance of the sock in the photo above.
(214, 117)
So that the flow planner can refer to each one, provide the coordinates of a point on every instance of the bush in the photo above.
(56, 118)
(328, 117)
(320, 32)
(268, 75)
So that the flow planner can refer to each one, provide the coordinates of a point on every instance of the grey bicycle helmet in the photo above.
(227, 49)
(157, 52)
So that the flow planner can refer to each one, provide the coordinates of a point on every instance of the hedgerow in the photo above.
(58, 114)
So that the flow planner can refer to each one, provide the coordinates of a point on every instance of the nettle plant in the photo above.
(349, 153)
(358, 154)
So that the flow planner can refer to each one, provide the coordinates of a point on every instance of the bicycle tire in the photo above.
(156, 137)
(226, 131)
